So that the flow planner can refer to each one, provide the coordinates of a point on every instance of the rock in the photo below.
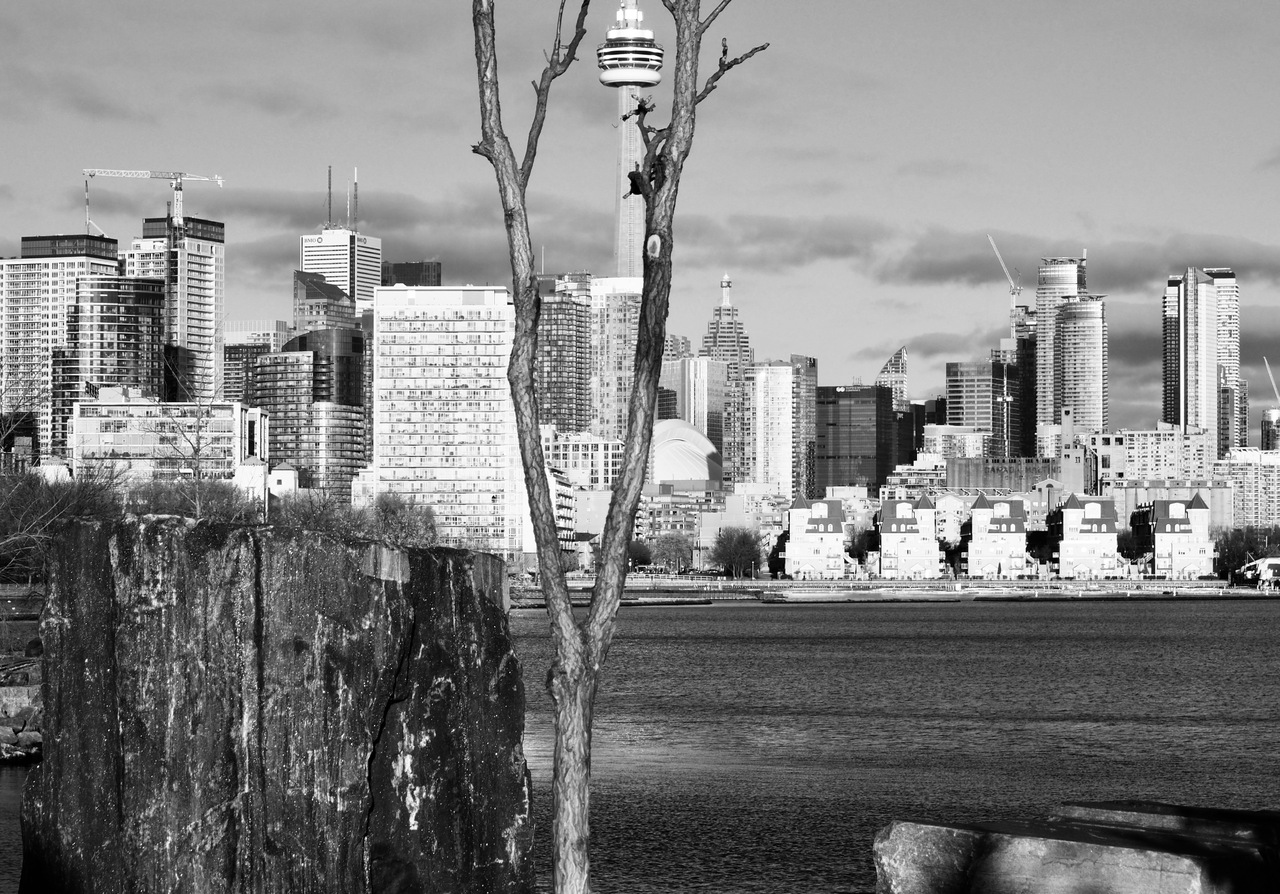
(244, 709)
(34, 648)
(29, 739)
(35, 721)
(1168, 851)
(8, 736)
(18, 722)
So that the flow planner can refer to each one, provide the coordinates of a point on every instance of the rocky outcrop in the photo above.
(1102, 848)
(242, 709)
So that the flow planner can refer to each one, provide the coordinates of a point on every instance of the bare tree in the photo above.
(581, 647)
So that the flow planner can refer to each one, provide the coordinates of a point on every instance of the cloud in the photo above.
(937, 168)
(1271, 161)
(939, 256)
(766, 242)
(63, 88)
(276, 101)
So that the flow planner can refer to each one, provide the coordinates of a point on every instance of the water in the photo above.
(752, 748)
(11, 779)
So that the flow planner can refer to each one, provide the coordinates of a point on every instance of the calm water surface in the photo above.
(753, 748)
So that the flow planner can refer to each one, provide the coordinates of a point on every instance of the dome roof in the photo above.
(682, 453)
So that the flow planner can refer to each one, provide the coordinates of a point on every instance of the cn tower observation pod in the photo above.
(629, 55)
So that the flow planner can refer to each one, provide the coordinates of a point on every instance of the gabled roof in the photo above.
(801, 503)
(1197, 502)
(925, 503)
(1072, 502)
(981, 503)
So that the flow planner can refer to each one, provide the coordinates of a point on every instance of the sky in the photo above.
(845, 179)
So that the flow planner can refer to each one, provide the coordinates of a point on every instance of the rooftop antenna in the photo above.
(329, 219)
(355, 200)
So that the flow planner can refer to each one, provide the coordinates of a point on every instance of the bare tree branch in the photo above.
(726, 64)
(711, 16)
(558, 62)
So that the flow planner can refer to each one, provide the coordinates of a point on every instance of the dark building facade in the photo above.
(313, 391)
(858, 435)
(562, 368)
(411, 273)
(115, 338)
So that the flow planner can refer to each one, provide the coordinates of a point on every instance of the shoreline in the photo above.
(652, 593)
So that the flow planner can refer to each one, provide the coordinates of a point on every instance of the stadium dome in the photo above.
(682, 453)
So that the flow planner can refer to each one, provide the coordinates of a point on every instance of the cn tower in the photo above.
(629, 59)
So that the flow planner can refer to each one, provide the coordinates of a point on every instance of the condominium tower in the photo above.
(37, 290)
(444, 429)
(1060, 279)
(1201, 328)
(191, 261)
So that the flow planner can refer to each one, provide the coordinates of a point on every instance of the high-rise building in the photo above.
(1270, 435)
(1202, 384)
(726, 339)
(444, 428)
(346, 258)
(631, 61)
(1059, 280)
(318, 304)
(312, 392)
(191, 260)
(853, 440)
(676, 347)
(562, 367)
(615, 323)
(697, 385)
(1080, 362)
(244, 341)
(115, 339)
(37, 290)
(984, 395)
(411, 273)
(894, 375)
(780, 425)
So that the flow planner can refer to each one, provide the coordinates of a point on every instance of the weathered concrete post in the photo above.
(243, 709)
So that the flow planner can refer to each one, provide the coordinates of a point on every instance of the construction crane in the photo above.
(1274, 389)
(1014, 288)
(175, 179)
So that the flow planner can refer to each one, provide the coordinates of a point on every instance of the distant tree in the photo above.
(737, 550)
(31, 509)
(778, 556)
(211, 499)
(401, 523)
(1237, 547)
(1127, 545)
(315, 511)
(672, 551)
(638, 554)
(862, 542)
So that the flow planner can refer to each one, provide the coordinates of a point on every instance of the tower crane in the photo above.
(175, 179)
(1015, 289)
(1274, 389)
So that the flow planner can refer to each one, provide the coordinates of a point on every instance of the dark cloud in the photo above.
(277, 101)
(763, 242)
(940, 256)
(60, 87)
(1271, 161)
(936, 168)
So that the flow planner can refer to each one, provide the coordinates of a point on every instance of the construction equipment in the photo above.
(1015, 288)
(1274, 389)
(174, 177)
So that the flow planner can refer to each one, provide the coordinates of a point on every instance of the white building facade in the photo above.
(444, 430)
(345, 258)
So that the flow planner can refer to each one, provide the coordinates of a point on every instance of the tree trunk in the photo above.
(573, 696)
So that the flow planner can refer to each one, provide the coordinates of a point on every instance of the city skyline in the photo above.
(850, 174)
